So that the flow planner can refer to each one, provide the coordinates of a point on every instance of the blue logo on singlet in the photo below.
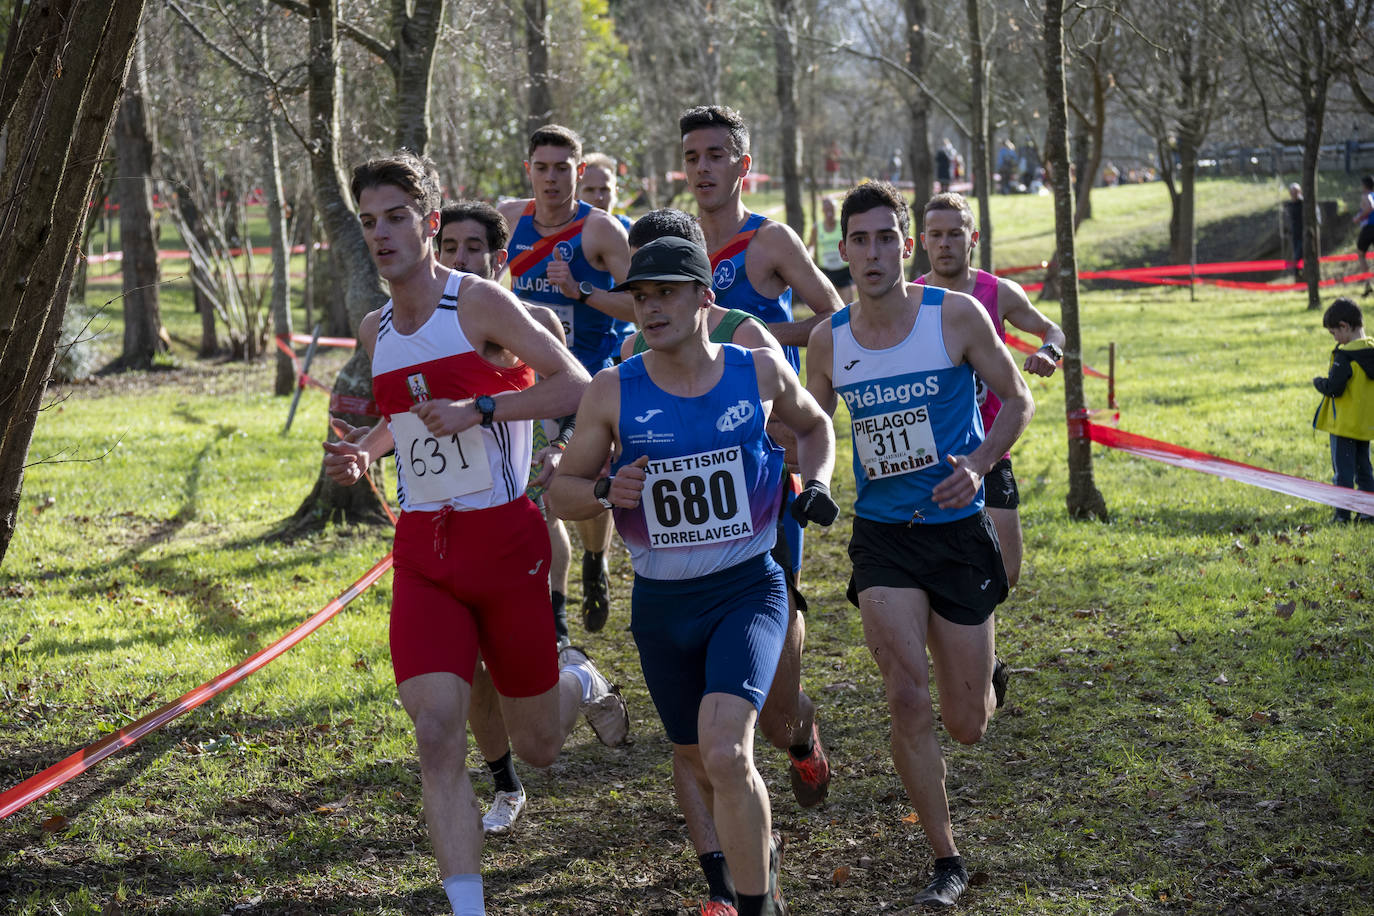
(565, 251)
(724, 275)
(735, 416)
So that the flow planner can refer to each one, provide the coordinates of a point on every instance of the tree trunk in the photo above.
(1314, 116)
(785, 44)
(537, 60)
(64, 66)
(918, 109)
(285, 382)
(1186, 218)
(1084, 500)
(415, 38)
(143, 332)
(327, 501)
(981, 165)
(192, 221)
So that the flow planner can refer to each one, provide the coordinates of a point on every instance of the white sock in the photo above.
(465, 895)
(584, 677)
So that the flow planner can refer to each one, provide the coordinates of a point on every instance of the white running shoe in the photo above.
(504, 812)
(605, 711)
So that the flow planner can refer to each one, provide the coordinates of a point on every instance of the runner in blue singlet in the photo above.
(927, 570)
(695, 491)
(565, 254)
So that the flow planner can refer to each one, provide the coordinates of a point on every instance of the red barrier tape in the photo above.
(1184, 274)
(1025, 346)
(1181, 457)
(180, 254)
(301, 378)
(346, 342)
(42, 783)
(362, 407)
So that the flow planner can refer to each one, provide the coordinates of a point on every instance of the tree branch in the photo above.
(848, 48)
(360, 36)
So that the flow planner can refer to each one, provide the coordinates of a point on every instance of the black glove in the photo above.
(813, 504)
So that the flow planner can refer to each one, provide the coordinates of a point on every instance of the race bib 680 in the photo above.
(697, 499)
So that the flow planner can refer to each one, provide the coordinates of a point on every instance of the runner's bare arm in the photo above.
(819, 352)
(1016, 309)
(795, 407)
(788, 258)
(605, 247)
(345, 461)
(548, 320)
(569, 495)
(968, 327)
(754, 335)
(491, 314)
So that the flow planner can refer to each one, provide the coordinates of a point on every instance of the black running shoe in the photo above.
(596, 591)
(950, 880)
(1000, 675)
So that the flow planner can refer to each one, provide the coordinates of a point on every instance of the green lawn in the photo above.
(1189, 728)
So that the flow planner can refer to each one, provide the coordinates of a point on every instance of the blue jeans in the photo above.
(1350, 467)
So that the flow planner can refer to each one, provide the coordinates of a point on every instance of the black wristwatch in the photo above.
(584, 291)
(1055, 353)
(487, 405)
(602, 492)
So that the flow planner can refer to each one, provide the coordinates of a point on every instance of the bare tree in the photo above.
(409, 56)
(785, 25)
(60, 82)
(251, 60)
(982, 157)
(1173, 91)
(1084, 500)
(540, 103)
(144, 336)
(1294, 50)
(327, 501)
(1095, 51)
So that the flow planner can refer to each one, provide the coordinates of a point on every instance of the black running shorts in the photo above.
(1366, 239)
(957, 564)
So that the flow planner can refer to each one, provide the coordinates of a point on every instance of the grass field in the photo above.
(1189, 727)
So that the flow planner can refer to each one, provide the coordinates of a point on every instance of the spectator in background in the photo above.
(1292, 213)
(1365, 220)
(825, 247)
(1347, 407)
(945, 157)
(1006, 165)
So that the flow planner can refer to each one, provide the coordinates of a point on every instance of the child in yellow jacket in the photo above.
(1347, 407)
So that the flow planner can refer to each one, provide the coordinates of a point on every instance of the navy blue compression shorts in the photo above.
(718, 633)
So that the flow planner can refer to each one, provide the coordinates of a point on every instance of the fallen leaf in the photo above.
(56, 823)
(840, 876)
(1220, 679)
(1285, 610)
(1259, 715)
(912, 818)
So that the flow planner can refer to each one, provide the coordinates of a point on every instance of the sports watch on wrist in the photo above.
(584, 291)
(487, 405)
(1055, 353)
(602, 492)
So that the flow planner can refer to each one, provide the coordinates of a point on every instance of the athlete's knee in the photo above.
(725, 760)
(439, 736)
(966, 723)
(909, 703)
(537, 746)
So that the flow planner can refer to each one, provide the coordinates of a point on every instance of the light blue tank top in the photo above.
(714, 477)
(910, 407)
